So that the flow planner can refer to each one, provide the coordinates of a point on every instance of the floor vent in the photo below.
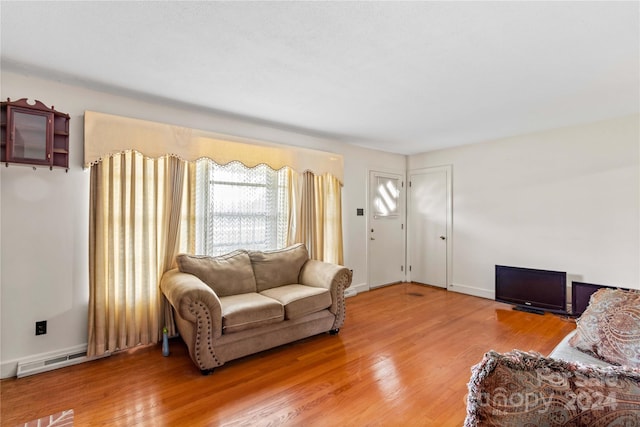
(52, 361)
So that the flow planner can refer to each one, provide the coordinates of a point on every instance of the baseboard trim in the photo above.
(354, 290)
(470, 290)
(350, 292)
(8, 369)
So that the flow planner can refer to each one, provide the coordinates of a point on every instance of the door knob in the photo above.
(442, 238)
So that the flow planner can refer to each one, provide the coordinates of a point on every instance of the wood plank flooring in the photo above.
(403, 358)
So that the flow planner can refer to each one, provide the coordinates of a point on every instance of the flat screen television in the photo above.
(581, 294)
(532, 290)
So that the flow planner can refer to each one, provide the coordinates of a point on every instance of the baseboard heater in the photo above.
(53, 361)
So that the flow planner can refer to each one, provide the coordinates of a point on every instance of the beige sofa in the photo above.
(244, 302)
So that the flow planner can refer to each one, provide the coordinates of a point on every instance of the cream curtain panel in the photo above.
(133, 238)
(316, 215)
(142, 212)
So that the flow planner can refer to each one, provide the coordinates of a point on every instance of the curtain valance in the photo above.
(106, 134)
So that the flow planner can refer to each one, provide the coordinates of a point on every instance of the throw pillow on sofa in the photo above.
(228, 274)
(278, 267)
(610, 327)
(527, 389)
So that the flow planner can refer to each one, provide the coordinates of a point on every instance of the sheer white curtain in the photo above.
(258, 208)
(237, 207)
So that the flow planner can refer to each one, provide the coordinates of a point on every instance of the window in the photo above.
(386, 195)
(239, 207)
(140, 208)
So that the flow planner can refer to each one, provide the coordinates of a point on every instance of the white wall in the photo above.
(44, 214)
(565, 199)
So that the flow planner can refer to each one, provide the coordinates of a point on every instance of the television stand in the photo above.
(528, 309)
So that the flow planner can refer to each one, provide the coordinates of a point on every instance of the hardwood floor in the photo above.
(403, 358)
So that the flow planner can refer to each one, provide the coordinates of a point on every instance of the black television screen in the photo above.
(581, 295)
(532, 290)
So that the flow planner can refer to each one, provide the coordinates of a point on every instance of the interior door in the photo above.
(430, 226)
(386, 244)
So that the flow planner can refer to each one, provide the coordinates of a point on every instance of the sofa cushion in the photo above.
(245, 311)
(299, 300)
(228, 274)
(524, 389)
(278, 267)
(610, 327)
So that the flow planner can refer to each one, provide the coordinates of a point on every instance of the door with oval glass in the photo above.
(386, 254)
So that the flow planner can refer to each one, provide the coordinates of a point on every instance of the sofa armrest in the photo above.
(198, 315)
(330, 276)
(193, 301)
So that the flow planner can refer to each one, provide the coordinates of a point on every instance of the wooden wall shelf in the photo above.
(33, 134)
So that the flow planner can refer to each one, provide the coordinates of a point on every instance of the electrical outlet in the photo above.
(41, 327)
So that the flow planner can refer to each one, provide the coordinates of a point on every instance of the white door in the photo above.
(430, 226)
(386, 248)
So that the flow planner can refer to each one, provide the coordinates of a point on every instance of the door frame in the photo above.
(403, 218)
(448, 169)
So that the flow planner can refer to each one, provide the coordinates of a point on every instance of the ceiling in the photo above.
(402, 77)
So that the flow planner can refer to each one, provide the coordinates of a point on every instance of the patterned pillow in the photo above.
(526, 389)
(610, 327)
